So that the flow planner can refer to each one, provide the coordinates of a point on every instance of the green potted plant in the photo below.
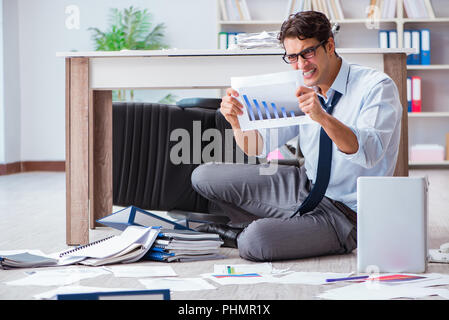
(130, 29)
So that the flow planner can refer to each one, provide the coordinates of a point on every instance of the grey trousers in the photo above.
(264, 203)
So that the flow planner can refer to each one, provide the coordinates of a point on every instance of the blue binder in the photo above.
(408, 44)
(409, 94)
(163, 294)
(132, 215)
(383, 39)
(425, 46)
(416, 44)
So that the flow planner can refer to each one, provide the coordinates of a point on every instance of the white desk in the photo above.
(91, 77)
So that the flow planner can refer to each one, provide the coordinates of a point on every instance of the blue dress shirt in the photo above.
(371, 108)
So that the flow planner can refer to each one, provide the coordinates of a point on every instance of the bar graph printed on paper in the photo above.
(263, 110)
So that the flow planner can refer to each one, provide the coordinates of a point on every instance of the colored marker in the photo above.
(347, 278)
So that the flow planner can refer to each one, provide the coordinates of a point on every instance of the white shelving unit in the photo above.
(429, 126)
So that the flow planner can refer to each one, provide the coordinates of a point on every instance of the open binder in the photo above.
(132, 215)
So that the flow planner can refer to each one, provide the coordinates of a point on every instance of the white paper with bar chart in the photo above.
(269, 100)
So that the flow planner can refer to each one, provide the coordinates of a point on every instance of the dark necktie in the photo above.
(324, 165)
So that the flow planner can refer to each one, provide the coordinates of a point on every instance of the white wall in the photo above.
(11, 83)
(2, 121)
(42, 32)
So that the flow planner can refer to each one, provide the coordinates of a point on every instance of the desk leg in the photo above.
(77, 180)
(395, 65)
(100, 155)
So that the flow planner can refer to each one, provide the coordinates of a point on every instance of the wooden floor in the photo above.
(32, 216)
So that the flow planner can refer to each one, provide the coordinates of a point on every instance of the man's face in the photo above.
(314, 69)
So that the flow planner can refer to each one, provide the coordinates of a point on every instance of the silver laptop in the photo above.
(392, 224)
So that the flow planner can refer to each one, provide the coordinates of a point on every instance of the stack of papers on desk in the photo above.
(185, 245)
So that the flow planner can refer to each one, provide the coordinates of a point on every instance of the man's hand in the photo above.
(231, 107)
(310, 104)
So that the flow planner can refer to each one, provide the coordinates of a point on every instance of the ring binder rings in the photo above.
(84, 246)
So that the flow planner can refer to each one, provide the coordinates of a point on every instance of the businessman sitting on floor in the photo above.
(307, 211)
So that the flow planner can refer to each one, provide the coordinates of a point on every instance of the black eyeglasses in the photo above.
(307, 53)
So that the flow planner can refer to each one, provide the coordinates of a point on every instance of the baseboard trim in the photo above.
(27, 166)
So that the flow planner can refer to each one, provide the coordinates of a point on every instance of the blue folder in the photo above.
(409, 94)
(408, 44)
(132, 215)
(416, 44)
(384, 39)
(163, 294)
(425, 46)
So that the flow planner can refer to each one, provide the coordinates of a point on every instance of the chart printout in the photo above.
(269, 100)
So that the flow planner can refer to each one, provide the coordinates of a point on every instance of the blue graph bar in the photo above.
(258, 109)
(284, 113)
(275, 110)
(250, 109)
(266, 110)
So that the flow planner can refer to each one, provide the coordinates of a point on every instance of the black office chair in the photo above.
(144, 175)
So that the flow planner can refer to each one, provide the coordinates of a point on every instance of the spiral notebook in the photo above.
(131, 245)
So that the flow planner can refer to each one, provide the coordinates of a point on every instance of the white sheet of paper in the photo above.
(239, 280)
(49, 295)
(269, 100)
(367, 291)
(177, 284)
(58, 277)
(310, 278)
(244, 268)
(125, 271)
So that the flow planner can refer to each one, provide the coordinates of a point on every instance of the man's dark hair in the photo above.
(305, 25)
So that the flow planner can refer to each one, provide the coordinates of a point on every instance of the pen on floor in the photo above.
(347, 278)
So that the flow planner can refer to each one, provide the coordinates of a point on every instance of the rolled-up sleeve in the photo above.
(276, 137)
(376, 124)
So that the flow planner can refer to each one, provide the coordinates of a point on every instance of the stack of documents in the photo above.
(26, 260)
(130, 246)
(185, 245)
(258, 40)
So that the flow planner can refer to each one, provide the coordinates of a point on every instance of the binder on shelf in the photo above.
(239, 10)
(290, 8)
(245, 9)
(416, 44)
(389, 9)
(222, 40)
(224, 11)
(132, 215)
(339, 10)
(162, 294)
(409, 94)
(330, 10)
(421, 9)
(392, 39)
(416, 94)
(408, 44)
(299, 6)
(383, 39)
(430, 11)
(415, 9)
(333, 9)
(231, 8)
(425, 46)
(232, 39)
